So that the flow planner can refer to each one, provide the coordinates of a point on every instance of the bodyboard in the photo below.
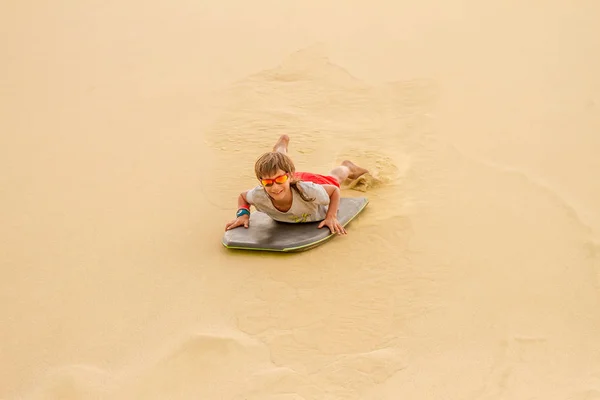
(268, 235)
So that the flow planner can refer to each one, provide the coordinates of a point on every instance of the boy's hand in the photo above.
(333, 225)
(239, 221)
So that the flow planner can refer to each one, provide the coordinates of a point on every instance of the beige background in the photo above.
(127, 129)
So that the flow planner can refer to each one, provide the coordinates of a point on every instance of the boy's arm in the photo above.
(331, 217)
(243, 202)
(334, 200)
(244, 218)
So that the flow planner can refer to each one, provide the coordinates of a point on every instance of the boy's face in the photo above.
(277, 185)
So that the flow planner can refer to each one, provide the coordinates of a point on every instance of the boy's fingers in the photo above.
(233, 224)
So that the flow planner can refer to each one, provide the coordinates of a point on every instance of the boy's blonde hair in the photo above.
(270, 162)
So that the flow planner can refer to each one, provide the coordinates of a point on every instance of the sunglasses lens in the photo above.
(269, 182)
(281, 179)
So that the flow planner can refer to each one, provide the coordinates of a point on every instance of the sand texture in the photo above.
(128, 129)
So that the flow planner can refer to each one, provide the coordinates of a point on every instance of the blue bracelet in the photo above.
(241, 212)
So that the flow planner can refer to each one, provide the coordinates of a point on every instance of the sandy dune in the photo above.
(128, 130)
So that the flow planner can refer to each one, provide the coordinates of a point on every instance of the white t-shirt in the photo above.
(300, 211)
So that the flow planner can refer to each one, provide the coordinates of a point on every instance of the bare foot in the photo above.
(355, 170)
(282, 144)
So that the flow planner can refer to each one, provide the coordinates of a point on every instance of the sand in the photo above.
(128, 129)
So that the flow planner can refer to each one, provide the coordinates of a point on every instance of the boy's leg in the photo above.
(342, 172)
(282, 144)
(347, 170)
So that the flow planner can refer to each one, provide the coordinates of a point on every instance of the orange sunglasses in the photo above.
(281, 179)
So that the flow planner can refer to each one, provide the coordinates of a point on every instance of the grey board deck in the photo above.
(268, 235)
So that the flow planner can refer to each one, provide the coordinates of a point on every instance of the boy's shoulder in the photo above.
(310, 186)
(307, 185)
(314, 190)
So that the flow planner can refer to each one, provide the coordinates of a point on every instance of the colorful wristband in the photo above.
(242, 211)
